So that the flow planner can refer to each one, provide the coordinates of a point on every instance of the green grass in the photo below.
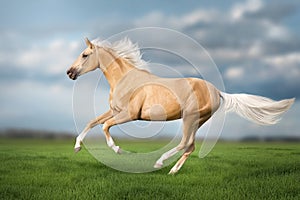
(42, 169)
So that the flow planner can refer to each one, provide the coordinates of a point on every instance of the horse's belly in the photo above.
(159, 113)
(160, 104)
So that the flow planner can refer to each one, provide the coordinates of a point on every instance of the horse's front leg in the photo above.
(119, 118)
(99, 120)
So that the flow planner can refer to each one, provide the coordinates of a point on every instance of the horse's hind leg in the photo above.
(99, 120)
(183, 158)
(191, 146)
(165, 156)
(190, 126)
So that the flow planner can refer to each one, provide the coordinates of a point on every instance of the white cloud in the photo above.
(234, 73)
(62, 54)
(285, 65)
(256, 50)
(200, 15)
(229, 54)
(240, 9)
(154, 18)
(275, 31)
(53, 58)
(157, 18)
(283, 61)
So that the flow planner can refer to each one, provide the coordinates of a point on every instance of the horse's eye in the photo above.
(84, 55)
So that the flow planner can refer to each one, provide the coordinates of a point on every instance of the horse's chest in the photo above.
(120, 100)
(127, 87)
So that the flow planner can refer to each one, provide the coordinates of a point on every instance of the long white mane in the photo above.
(124, 48)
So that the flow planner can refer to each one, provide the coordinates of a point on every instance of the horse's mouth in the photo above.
(73, 74)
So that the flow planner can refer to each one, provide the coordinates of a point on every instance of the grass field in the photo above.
(48, 169)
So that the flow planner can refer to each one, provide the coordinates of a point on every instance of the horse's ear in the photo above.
(88, 43)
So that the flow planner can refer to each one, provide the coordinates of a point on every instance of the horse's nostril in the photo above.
(69, 71)
(72, 73)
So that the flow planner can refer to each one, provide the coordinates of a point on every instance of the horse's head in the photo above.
(87, 61)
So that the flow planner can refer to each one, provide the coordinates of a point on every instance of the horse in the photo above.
(136, 94)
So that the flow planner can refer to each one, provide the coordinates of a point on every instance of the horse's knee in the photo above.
(191, 148)
(180, 147)
(191, 144)
(184, 144)
(89, 125)
(105, 127)
(92, 124)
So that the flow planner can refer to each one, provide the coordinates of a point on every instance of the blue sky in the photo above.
(255, 45)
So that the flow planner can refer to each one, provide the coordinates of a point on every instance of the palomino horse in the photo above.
(137, 94)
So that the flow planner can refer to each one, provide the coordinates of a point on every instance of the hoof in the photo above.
(119, 151)
(76, 150)
(157, 166)
(172, 172)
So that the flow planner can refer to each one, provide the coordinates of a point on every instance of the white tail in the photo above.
(258, 109)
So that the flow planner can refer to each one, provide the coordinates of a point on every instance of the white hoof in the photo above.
(77, 147)
(117, 149)
(76, 150)
(173, 171)
(158, 165)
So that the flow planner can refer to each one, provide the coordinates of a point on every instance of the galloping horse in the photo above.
(136, 94)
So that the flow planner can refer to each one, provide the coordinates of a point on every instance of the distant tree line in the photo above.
(29, 133)
(271, 139)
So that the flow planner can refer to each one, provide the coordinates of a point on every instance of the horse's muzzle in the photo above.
(72, 73)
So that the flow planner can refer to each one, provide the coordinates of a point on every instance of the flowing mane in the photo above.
(125, 49)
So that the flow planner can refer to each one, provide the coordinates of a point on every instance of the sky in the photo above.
(255, 45)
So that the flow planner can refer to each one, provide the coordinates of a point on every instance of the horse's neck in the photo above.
(115, 69)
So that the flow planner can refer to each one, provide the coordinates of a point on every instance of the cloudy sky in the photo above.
(255, 45)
